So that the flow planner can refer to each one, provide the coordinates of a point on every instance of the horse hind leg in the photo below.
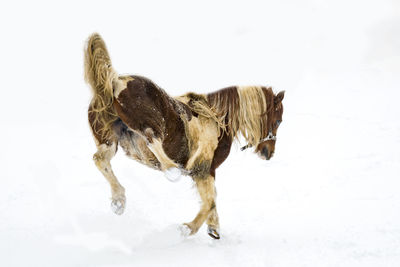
(206, 188)
(102, 160)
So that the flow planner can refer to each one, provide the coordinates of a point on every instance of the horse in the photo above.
(190, 135)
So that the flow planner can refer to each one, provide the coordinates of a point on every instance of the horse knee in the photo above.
(209, 206)
(100, 161)
(97, 157)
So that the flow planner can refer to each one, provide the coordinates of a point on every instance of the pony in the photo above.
(188, 135)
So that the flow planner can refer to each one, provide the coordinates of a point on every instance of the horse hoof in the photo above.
(173, 174)
(118, 205)
(213, 232)
(185, 230)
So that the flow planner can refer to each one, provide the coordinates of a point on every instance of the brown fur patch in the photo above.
(144, 105)
(221, 152)
(269, 98)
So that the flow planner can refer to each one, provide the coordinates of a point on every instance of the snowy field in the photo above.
(329, 197)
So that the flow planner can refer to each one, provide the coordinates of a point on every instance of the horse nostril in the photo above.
(264, 151)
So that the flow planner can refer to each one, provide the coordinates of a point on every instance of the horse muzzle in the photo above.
(266, 154)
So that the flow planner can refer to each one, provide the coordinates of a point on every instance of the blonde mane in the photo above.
(243, 110)
(199, 105)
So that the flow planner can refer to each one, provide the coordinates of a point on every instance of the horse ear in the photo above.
(279, 97)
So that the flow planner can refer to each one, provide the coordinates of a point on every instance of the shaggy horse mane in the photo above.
(199, 105)
(243, 110)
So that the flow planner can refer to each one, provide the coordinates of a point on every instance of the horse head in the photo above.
(266, 147)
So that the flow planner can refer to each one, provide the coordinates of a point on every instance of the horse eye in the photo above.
(278, 122)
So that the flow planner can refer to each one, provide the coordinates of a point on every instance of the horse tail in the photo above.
(100, 75)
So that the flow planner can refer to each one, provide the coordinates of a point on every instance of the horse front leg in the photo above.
(102, 160)
(171, 169)
(206, 188)
(213, 224)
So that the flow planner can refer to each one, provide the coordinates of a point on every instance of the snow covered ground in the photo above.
(329, 197)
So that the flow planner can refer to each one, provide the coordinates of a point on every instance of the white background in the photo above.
(329, 197)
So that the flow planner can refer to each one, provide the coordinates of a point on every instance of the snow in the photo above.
(328, 197)
(173, 174)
